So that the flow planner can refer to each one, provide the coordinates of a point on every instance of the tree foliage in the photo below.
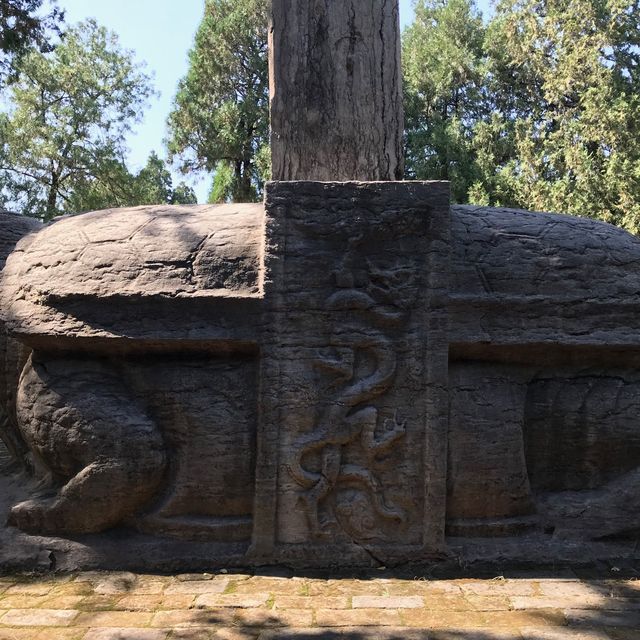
(70, 112)
(219, 122)
(540, 108)
(444, 91)
(116, 186)
(23, 25)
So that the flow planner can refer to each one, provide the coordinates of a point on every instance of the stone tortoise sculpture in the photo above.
(146, 384)
(13, 355)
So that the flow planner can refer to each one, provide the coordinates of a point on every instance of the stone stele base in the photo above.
(350, 374)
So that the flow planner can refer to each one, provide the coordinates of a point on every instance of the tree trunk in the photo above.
(336, 94)
(52, 199)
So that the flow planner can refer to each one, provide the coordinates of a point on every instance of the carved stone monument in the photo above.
(351, 373)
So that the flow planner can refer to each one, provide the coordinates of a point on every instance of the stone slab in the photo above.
(354, 372)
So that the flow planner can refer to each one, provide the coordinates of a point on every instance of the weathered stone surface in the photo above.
(260, 386)
(147, 273)
(544, 360)
(487, 473)
(13, 354)
(96, 441)
(535, 280)
(354, 367)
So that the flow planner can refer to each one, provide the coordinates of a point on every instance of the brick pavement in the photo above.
(124, 606)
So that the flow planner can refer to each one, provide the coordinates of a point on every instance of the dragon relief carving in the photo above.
(348, 416)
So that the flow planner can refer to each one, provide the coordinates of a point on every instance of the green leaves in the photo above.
(443, 78)
(538, 109)
(23, 26)
(70, 111)
(220, 118)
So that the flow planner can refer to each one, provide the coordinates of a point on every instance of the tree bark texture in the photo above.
(336, 90)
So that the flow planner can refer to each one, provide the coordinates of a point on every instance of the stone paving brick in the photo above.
(236, 577)
(270, 618)
(565, 633)
(357, 618)
(151, 586)
(243, 633)
(350, 633)
(431, 619)
(387, 602)
(499, 587)
(576, 589)
(450, 587)
(141, 602)
(177, 601)
(30, 588)
(519, 619)
(307, 602)
(197, 587)
(62, 602)
(194, 618)
(16, 634)
(196, 634)
(61, 633)
(623, 634)
(133, 619)
(630, 584)
(72, 589)
(446, 602)
(235, 600)
(38, 618)
(307, 608)
(99, 603)
(600, 618)
(277, 586)
(126, 634)
(109, 583)
(485, 603)
(474, 634)
(344, 587)
(21, 602)
(592, 601)
(425, 588)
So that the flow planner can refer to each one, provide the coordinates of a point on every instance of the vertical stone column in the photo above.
(336, 94)
(353, 383)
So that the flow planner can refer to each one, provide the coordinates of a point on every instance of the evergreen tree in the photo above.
(116, 186)
(540, 109)
(444, 72)
(220, 121)
(69, 114)
(23, 26)
(565, 76)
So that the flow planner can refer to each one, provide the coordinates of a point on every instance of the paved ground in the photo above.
(124, 606)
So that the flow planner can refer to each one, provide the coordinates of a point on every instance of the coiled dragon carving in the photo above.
(348, 416)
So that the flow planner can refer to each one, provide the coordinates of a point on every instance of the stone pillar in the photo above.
(336, 94)
(354, 353)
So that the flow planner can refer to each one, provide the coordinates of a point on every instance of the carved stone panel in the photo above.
(205, 406)
(165, 443)
(354, 370)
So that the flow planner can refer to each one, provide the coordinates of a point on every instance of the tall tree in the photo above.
(23, 25)
(566, 74)
(444, 73)
(116, 186)
(219, 121)
(70, 112)
(154, 185)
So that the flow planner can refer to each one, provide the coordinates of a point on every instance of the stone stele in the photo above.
(348, 374)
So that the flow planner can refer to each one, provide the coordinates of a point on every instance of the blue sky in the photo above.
(160, 32)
